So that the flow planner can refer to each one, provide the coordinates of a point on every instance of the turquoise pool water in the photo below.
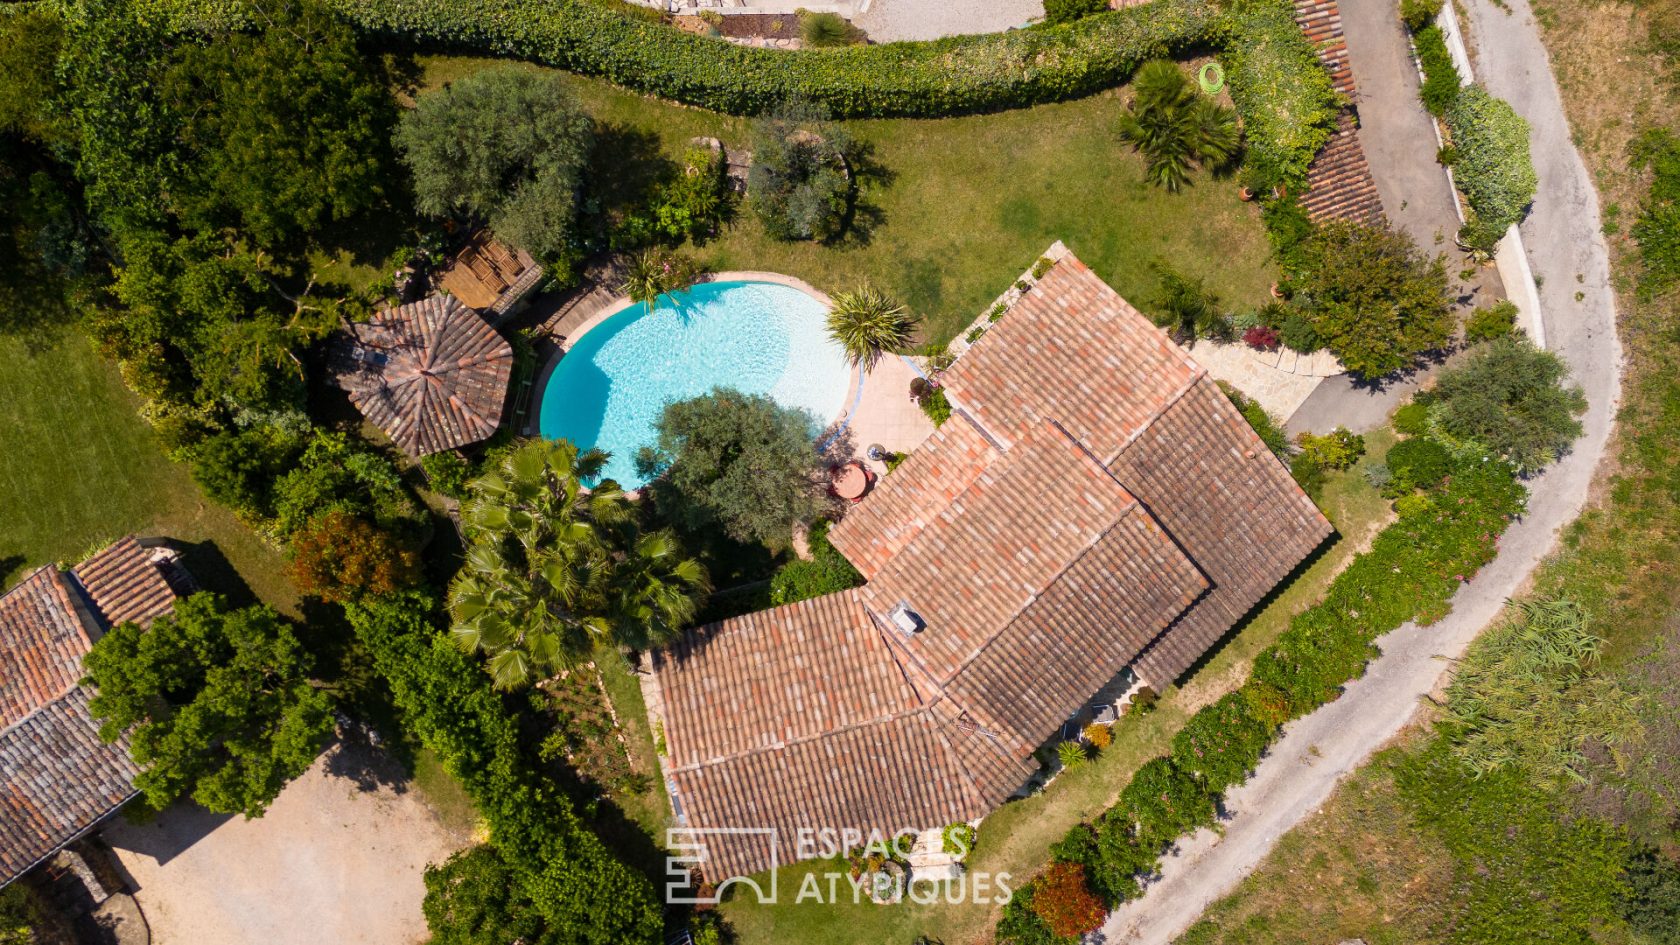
(757, 337)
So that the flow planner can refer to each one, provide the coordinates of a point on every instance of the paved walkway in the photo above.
(1315, 752)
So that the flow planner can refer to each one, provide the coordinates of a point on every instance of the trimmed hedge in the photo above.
(1411, 572)
(1494, 168)
(584, 893)
(1441, 81)
(1283, 93)
(939, 77)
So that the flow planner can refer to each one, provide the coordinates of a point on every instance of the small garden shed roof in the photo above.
(432, 374)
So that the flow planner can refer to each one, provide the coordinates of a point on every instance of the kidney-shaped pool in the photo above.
(756, 337)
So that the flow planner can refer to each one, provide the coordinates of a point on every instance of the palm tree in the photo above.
(655, 272)
(1188, 308)
(868, 323)
(554, 568)
(1175, 129)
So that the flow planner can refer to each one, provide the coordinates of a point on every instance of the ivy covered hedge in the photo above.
(1441, 538)
(1283, 93)
(583, 892)
(938, 77)
(1494, 168)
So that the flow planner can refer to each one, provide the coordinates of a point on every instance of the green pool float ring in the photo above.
(1212, 78)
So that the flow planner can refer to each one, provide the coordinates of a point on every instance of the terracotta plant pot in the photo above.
(1246, 194)
(1276, 294)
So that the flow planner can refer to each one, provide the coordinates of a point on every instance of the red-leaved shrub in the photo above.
(1065, 902)
(1261, 337)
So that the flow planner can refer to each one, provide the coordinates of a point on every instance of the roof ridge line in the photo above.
(1196, 377)
(790, 743)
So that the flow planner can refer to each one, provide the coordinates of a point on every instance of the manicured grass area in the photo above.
(952, 211)
(1016, 838)
(80, 468)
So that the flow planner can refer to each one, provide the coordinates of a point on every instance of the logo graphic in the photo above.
(689, 850)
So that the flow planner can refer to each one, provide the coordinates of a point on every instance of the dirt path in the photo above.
(1315, 752)
(338, 858)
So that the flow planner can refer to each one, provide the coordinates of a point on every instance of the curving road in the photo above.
(1567, 251)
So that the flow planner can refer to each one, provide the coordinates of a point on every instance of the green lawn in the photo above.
(1016, 838)
(80, 467)
(960, 207)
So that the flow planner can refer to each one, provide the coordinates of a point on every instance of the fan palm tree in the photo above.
(1175, 129)
(554, 568)
(868, 323)
(1187, 308)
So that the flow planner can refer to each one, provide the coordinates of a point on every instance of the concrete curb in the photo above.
(1511, 257)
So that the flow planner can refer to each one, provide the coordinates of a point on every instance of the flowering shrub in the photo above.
(1262, 337)
(1065, 902)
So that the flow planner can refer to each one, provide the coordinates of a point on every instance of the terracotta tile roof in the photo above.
(1321, 20)
(490, 276)
(127, 582)
(1230, 504)
(1339, 181)
(1094, 501)
(1073, 351)
(432, 374)
(923, 485)
(42, 639)
(56, 777)
(56, 780)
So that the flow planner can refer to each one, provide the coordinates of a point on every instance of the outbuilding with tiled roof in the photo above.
(433, 374)
(58, 779)
(1095, 503)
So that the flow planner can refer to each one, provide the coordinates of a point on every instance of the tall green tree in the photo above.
(800, 186)
(216, 702)
(553, 567)
(1176, 129)
(288, 127)
(1512, 398)
(869, 324)
(508, 146)
(1373, 297)
(739, 463)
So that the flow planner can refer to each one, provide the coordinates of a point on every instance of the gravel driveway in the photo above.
(337, 859)
(1567, 250)
(888, 21)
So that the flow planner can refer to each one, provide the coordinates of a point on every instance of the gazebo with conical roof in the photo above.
(432, 374)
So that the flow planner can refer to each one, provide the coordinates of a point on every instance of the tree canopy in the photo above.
(217, 703)
(737, 462)
(288, 128)
(1509, 396)
(505, 145)
(800, 185)
(1373, 297)
(553, 567)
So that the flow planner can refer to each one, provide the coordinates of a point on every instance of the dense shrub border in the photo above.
(584, 893)
(1281, 89)
(919, 79)
(1494, 168)
(1411, 572)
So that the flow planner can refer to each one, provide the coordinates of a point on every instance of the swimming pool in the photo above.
(756, 337)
